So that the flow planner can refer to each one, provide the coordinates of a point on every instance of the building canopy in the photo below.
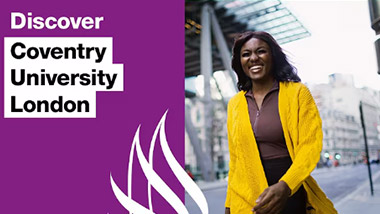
(234, 17)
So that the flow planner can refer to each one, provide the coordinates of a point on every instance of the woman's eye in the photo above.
(261, 51)
(245, 55)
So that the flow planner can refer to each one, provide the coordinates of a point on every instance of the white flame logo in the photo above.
(154, 179)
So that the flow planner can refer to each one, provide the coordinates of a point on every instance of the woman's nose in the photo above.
(253, 57)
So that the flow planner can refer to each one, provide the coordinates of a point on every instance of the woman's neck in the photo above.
(262, 87)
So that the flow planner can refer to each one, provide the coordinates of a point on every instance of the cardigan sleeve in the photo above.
(231, 148)
(308, 147)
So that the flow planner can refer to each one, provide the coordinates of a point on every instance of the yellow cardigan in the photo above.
(302, 128)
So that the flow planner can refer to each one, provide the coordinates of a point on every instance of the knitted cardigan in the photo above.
(302, 129)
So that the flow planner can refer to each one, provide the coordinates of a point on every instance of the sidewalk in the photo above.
(360, 200)
(204, 186)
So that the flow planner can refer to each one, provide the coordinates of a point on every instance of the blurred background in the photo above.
(333, 44)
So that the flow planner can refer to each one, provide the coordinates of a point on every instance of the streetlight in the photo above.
(337, 156)
(327, 155)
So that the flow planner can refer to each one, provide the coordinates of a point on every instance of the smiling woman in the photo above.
(274, 134)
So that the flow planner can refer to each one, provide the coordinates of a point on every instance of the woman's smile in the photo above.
(256, 68)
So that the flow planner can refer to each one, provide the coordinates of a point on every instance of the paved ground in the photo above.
(361, 200)
(338, 183)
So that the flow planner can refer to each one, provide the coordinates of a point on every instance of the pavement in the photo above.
(358, 201)
(204, 186)
(361, 201)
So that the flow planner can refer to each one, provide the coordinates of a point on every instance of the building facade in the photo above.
(338, 103)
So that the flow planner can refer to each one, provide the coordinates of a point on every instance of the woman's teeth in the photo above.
(256, 68)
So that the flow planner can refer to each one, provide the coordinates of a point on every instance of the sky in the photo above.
(341, 41)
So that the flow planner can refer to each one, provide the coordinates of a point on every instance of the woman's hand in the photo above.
(227, 211)
(273, 199)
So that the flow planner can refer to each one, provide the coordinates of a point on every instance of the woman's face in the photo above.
(256, 60)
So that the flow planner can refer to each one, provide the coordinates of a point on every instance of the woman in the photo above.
(274, 134)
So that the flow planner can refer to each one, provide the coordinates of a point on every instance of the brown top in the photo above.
(266, 125)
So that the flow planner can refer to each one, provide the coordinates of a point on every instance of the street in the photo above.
(335, 182)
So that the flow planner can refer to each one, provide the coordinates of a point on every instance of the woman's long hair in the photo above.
(282, 70)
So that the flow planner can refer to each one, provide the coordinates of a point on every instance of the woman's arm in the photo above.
(308, 146)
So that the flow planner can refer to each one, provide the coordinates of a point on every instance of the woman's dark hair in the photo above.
(281, 68)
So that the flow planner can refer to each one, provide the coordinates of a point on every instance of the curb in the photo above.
(361, 187)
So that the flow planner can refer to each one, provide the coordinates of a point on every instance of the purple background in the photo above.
(63, 165)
